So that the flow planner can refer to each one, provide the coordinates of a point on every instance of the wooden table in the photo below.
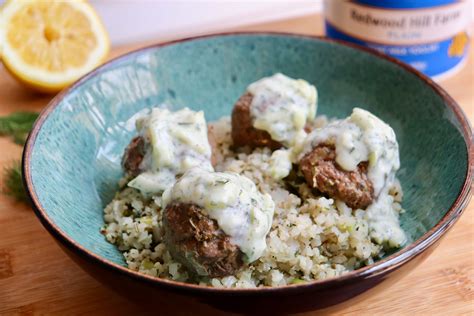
(37, 278)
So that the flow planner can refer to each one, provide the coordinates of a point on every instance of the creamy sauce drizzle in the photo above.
(280, 164)
(178, 141)
(241, 211)
(364, 137)
(282, 106)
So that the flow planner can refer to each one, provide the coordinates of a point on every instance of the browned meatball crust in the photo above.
(243, 132)
(197, 242)
(321, 171)
(133, 156)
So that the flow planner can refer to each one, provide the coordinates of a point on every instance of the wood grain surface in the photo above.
(37, 278)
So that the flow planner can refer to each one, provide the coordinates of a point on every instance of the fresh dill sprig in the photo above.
(13, 183)
(17, 125)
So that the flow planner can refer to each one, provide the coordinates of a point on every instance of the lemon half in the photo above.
(50, 44)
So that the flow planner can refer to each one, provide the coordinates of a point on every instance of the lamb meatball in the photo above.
(321, 171)
(133, 156)
(243, 132)
(197, 242)
(136, 149)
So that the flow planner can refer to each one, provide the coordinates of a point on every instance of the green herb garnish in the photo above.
(297, 281)
(147, 264)
(17, 125)
(222, 181)
(13, 183)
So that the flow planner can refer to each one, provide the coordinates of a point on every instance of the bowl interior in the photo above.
(75, 160)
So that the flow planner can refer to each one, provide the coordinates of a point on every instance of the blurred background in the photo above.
(134, 22)
(139, 21)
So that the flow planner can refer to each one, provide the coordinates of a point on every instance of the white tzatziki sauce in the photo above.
(364, 137)
(177, 142)
(282, 106)
(280, 164)
(234, 201)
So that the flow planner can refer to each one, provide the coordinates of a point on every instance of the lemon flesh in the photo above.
(50, 44)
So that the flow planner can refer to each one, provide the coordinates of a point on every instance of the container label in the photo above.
(432, 38)
(398, 26)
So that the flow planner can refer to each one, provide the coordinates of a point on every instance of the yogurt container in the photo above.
(430, 35)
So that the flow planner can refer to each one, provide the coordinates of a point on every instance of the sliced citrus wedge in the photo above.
(49, 44)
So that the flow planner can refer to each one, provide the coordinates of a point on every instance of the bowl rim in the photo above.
(383, 266)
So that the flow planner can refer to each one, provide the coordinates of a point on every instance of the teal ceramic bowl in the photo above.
(72, 157)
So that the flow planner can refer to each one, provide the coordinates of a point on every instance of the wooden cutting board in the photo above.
(37, 278)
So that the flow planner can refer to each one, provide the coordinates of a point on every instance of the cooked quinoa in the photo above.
(312, 237)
